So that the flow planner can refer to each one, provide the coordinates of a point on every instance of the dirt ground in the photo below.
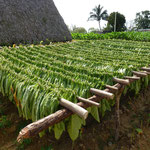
(134, 131)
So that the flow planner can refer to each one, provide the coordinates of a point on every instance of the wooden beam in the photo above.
(74, 108)
(87, 101)
(132, 78)
(102, 93)
(139, 74)
(145, 69)
(112, 88)
(122, 81)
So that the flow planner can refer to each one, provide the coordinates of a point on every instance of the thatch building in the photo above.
(31, 21)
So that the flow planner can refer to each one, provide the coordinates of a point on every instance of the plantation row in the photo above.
(133, 36)
(35, 77)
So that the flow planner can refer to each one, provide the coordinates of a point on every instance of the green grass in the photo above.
(35, 77)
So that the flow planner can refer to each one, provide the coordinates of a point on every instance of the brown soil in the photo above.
(134, 131)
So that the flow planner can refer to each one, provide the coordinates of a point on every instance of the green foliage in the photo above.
(120, 21)
(58, 129)
(94, 112)
(143, 20)
(74, 125)
(133, 36)
(35, 77)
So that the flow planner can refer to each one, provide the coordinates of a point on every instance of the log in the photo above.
(83, 113)
(139, 74)
(145, 69)
(122, 81)
(112, 88)
(132, 78)
(88, 101)
(102, 93)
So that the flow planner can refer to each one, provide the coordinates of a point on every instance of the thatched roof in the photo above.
(30, 21)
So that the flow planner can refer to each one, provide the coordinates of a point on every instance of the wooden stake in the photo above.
(88, 101)
(74, 108)
(122, 81)
(139, 74)
(117, 109)
(145, 69)
(132, 78)
(102, 93)
(112, 88)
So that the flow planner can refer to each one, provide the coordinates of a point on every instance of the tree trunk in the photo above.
(99, 23)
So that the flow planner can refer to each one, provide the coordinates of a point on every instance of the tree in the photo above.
(143, 20)
(120, 21)
(92, 29)
(98, 15)
(79, 30)
(75, 29)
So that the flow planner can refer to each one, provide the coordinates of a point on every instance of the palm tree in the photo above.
(98, 15)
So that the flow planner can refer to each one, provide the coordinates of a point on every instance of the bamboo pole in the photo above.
(87, 101)
(83, 113)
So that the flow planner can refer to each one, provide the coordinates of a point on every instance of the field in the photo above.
(34, 77)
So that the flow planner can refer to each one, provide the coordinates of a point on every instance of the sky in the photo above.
(76, 12)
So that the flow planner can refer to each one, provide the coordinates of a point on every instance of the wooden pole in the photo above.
(88, 101)
(139, 74)
(102, 93)
(117, 110)
(132, 78)
(145, 69)
(148, 73)
(83, 113)
(112, 88)
(122, 81)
